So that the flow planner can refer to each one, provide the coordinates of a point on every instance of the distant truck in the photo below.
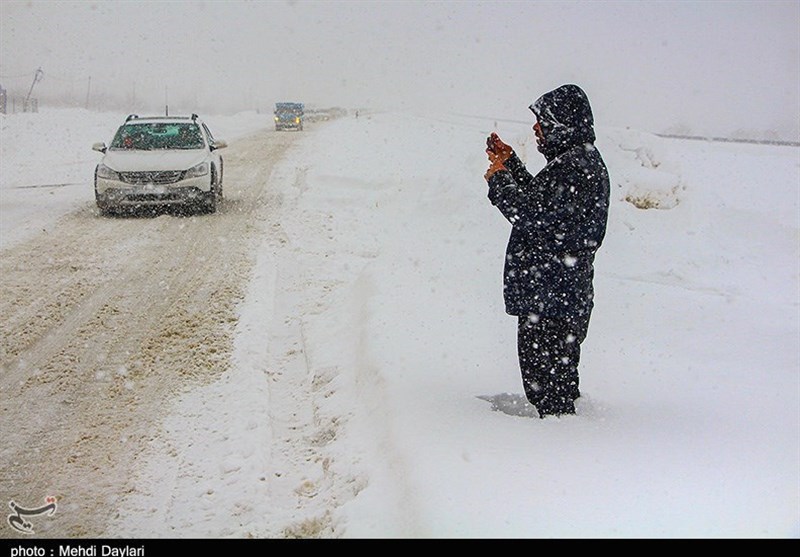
(289, 116)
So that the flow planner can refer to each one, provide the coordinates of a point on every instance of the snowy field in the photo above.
(689, 423)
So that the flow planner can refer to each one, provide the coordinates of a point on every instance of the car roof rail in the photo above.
(131, 117)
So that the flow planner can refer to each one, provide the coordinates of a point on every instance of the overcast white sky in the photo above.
(711, 66)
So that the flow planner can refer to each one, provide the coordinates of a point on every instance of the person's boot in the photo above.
(550, 407)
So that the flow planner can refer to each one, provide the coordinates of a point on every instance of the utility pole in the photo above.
(88, 90)
(27, 104)
(166, 100)
(37, 77)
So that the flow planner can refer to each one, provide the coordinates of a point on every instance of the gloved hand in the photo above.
(494, 165)
(498, 153)
(496, 148)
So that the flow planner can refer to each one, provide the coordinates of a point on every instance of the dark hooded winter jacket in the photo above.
(559, 216)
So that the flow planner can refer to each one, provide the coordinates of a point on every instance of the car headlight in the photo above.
(198, 170)
(106, 173)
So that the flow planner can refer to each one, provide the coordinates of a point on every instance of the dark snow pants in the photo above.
(549, 352)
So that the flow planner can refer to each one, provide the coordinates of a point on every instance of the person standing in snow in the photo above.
(558, 220)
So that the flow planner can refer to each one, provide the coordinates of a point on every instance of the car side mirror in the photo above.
(99, 147)
(219, 144)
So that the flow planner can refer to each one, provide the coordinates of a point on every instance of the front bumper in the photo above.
(288, 125)
(110, 193)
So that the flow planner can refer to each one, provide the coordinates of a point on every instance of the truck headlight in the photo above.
(198, 170)
(106, 173)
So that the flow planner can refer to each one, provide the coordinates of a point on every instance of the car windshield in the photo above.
(289, 108)
(158, 136)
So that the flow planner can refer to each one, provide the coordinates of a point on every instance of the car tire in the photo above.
(219, 181)
(104, 208)
(214, 195)
(209, 206)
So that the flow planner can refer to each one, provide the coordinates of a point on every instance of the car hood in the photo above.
(133, 161)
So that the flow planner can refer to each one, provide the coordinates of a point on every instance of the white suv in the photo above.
(158, 161)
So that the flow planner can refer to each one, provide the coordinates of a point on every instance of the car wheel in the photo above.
(105, 210)
(102, 206)
(210, 205)
(219, 182)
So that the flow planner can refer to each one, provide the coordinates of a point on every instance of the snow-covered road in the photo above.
(104, 321)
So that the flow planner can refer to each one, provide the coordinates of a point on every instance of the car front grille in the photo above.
(164, 177)
(153, 198)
